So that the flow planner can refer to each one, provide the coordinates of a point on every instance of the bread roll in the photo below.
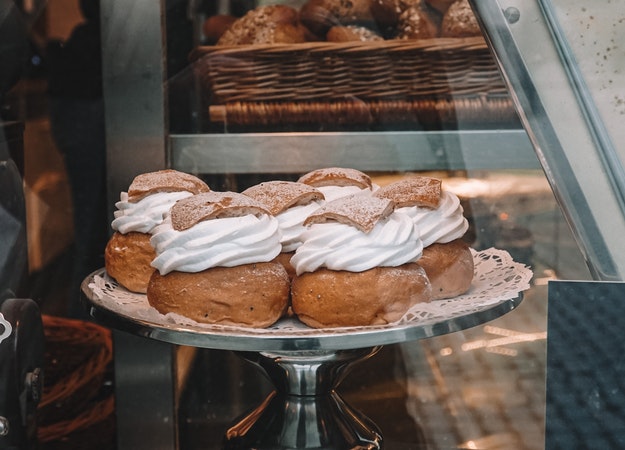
(250, 295)
(127, 258)
(418, 22)
(321, 15)
(352, 33)
(327, 298)
(449, 268)
(270, 24)
(459, 21)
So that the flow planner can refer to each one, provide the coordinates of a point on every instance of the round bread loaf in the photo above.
(270, 24)
(418, 22)
(127, 258)
(328, 298)
(320, 15)
(352, 33)
(459, 21)
(449, 268)
(250, 295)
(440, 5)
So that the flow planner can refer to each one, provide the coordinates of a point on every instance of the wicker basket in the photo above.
(345, 76)
(78, 357)
(392, 69)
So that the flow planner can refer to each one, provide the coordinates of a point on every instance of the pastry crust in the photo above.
(362, 212)
(449, 268)
(278, 196)
(167, 180)
(413, 191)
(337, 176)
(127, 258)
(250, 295)
(328, 298)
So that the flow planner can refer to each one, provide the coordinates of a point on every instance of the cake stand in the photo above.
(306, 365)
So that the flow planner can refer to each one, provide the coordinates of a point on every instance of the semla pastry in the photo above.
(128, 253)
(356, 266)
(214, 262)
(438, 216)
(291, 203)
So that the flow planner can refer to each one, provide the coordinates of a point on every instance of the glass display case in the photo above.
(527, 135)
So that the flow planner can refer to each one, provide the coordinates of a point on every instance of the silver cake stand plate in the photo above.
(306, 365)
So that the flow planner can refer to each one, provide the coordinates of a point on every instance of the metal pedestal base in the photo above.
(305, 411)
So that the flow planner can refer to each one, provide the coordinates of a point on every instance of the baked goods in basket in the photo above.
(438, 216)
(270, 24)
(128, 253)
(214, 262)
(291, 203)
(356, 266)
(459, 21)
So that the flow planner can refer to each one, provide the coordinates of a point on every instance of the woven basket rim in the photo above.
(355, 47)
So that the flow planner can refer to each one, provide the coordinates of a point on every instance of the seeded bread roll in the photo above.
(418, 22)
(270, 24)
(321, 15)
(459, 21)
(352, 33)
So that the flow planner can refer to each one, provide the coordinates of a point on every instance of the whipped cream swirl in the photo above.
(292, 224)
(440, 225)
(392, 242)
(145, 214)
(225, 242)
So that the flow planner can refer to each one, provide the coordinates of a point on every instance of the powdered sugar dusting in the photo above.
(164, 181)
(337, 176)
(413, 191)
(211, 205)
(278, 196)
(360, 211)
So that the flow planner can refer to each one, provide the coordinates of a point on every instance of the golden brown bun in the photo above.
(127, 258)
(215, 26)
(270, 24)
(449, 268)
(352, 33)
(284, 258)
(387, 12)
(418, 22)
(440, 5)
(328, 298)
(250, 295)
(459, 21)
(320, 15)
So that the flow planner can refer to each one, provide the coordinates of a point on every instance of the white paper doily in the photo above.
(497, 279)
